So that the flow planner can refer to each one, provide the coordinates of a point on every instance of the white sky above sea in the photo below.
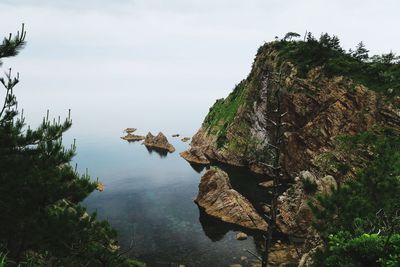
(158, 64)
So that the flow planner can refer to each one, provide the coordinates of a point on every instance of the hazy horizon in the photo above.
(159, 66)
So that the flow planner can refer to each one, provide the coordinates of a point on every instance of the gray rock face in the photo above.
(159, 141)
(217, 197)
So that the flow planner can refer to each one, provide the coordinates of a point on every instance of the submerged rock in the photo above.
(217, 197)
(194, 155)
(158, 141)
(175, 135)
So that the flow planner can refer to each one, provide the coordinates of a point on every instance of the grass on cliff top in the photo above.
(380, 73)
(222, 113)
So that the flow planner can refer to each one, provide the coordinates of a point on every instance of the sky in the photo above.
(160, 64)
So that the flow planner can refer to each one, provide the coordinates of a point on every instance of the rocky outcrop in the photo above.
(158, 141)
(318, 109)
(194, 155)
(294, 213)
(218, 199)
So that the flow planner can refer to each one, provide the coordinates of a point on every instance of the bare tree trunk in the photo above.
(276, 145)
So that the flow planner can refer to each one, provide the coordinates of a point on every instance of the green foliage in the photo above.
(379, 73)
(310, 187)
(361, 53)
(222, 113)
(290, 35)
(11, 46)
(367, 204)
(362, 250)
(376, 186)
(42, 222)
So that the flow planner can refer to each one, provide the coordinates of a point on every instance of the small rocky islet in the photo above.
(159, 141)
(130, 137)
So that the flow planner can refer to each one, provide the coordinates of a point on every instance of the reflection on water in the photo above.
(148, 198)
(161, 152)
(198, 167)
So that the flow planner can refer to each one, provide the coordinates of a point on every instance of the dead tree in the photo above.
(276, 128)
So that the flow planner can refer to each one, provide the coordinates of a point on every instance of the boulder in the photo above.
(218, 199)
(159, 141)
(194, 155)
(267, 184)
(241, 236)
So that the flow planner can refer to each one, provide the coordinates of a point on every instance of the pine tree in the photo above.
(360, 221)
(361, 53)
(41, 218)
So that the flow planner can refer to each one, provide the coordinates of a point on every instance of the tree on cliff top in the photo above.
(42, 221)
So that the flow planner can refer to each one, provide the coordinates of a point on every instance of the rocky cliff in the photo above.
(324, 93)
(319, 108)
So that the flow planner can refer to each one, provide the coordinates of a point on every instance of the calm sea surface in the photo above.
(148, 198)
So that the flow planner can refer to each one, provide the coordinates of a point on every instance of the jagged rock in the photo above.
(241, 236)
(194, 155)
(217, 197)
(294, 214)
(133, 137)
(159, 141)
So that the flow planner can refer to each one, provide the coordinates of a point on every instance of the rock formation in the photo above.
(158, 141)
(217, 197)
(133, 137)
(319, 108)
(194, 155)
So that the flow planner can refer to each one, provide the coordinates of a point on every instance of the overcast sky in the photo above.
(160, 64)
